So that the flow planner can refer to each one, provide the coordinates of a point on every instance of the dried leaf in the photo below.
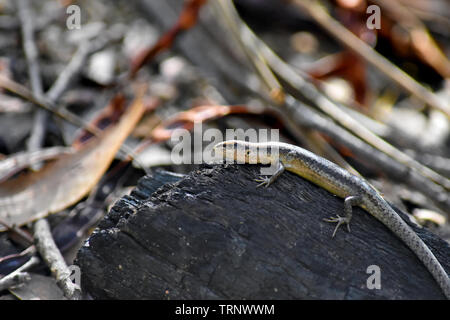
(109, 115)
(65, 181)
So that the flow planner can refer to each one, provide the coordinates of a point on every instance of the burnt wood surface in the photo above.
(213, 235)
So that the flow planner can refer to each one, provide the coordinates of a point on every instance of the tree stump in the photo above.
(214, 235)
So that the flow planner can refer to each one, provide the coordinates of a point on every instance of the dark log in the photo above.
(214, 235)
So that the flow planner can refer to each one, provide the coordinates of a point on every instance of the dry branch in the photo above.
(54, 260)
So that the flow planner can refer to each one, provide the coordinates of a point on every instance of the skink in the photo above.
(354, 190)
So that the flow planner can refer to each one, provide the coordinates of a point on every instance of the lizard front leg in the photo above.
(269, 180)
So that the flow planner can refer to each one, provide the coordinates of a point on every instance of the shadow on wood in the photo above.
(213, 235)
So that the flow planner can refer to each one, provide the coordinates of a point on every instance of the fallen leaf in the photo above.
(109, 115)
(65, 181)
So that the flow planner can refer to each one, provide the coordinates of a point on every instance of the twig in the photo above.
(10, 23)
(78, 60)
(54, 260)
(318, 13)
(29, 46)
(21, 233)
(31, 53)
(69, 72)
(438, 163)
(18, 276)
(43, 102)
(28, 251)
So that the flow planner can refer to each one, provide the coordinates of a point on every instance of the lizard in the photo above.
(355, 191)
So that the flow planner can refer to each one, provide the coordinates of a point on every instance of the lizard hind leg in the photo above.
(349, 202)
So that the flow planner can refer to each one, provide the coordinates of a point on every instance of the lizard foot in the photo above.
(339, 220)
(263, 181)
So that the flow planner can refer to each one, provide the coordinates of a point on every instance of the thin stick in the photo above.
(78, 60)
(28, 251)
(69, 72)
(31, 54)
(54, 260)
(25, 93)
(18, 276)
(21, 233)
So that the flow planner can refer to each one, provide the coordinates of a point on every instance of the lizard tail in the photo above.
(394, 222)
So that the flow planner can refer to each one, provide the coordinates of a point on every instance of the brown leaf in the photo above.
(66, 180)
(109, 115)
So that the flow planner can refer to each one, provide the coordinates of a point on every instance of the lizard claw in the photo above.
(339, 220)
(264, 181)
